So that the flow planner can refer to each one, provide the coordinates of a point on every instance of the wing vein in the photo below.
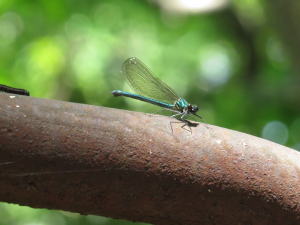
(143, 82)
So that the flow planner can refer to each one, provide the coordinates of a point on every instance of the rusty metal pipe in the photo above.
(129, 165)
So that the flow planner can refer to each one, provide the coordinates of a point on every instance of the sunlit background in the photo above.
(225, 56)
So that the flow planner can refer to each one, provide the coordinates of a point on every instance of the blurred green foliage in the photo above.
(228, 62)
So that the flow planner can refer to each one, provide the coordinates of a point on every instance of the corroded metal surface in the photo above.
(121, 164)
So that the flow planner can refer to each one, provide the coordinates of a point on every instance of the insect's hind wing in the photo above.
(143, 81)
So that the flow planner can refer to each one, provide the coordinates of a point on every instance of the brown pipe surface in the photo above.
(129, 165)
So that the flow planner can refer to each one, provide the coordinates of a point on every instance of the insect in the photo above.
(7, 89)
(151, 89)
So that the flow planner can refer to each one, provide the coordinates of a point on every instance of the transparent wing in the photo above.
(144, 82)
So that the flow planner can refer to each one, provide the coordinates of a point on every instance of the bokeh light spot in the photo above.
(276, 131)
(11, 26)
(215, 65)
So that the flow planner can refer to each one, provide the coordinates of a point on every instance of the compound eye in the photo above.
(195, 108)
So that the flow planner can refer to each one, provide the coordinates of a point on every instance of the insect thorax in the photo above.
(180, 105)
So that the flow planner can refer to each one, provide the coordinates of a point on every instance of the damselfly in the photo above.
(150, 88)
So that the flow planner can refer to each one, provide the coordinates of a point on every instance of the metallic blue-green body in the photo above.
(179, 105)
